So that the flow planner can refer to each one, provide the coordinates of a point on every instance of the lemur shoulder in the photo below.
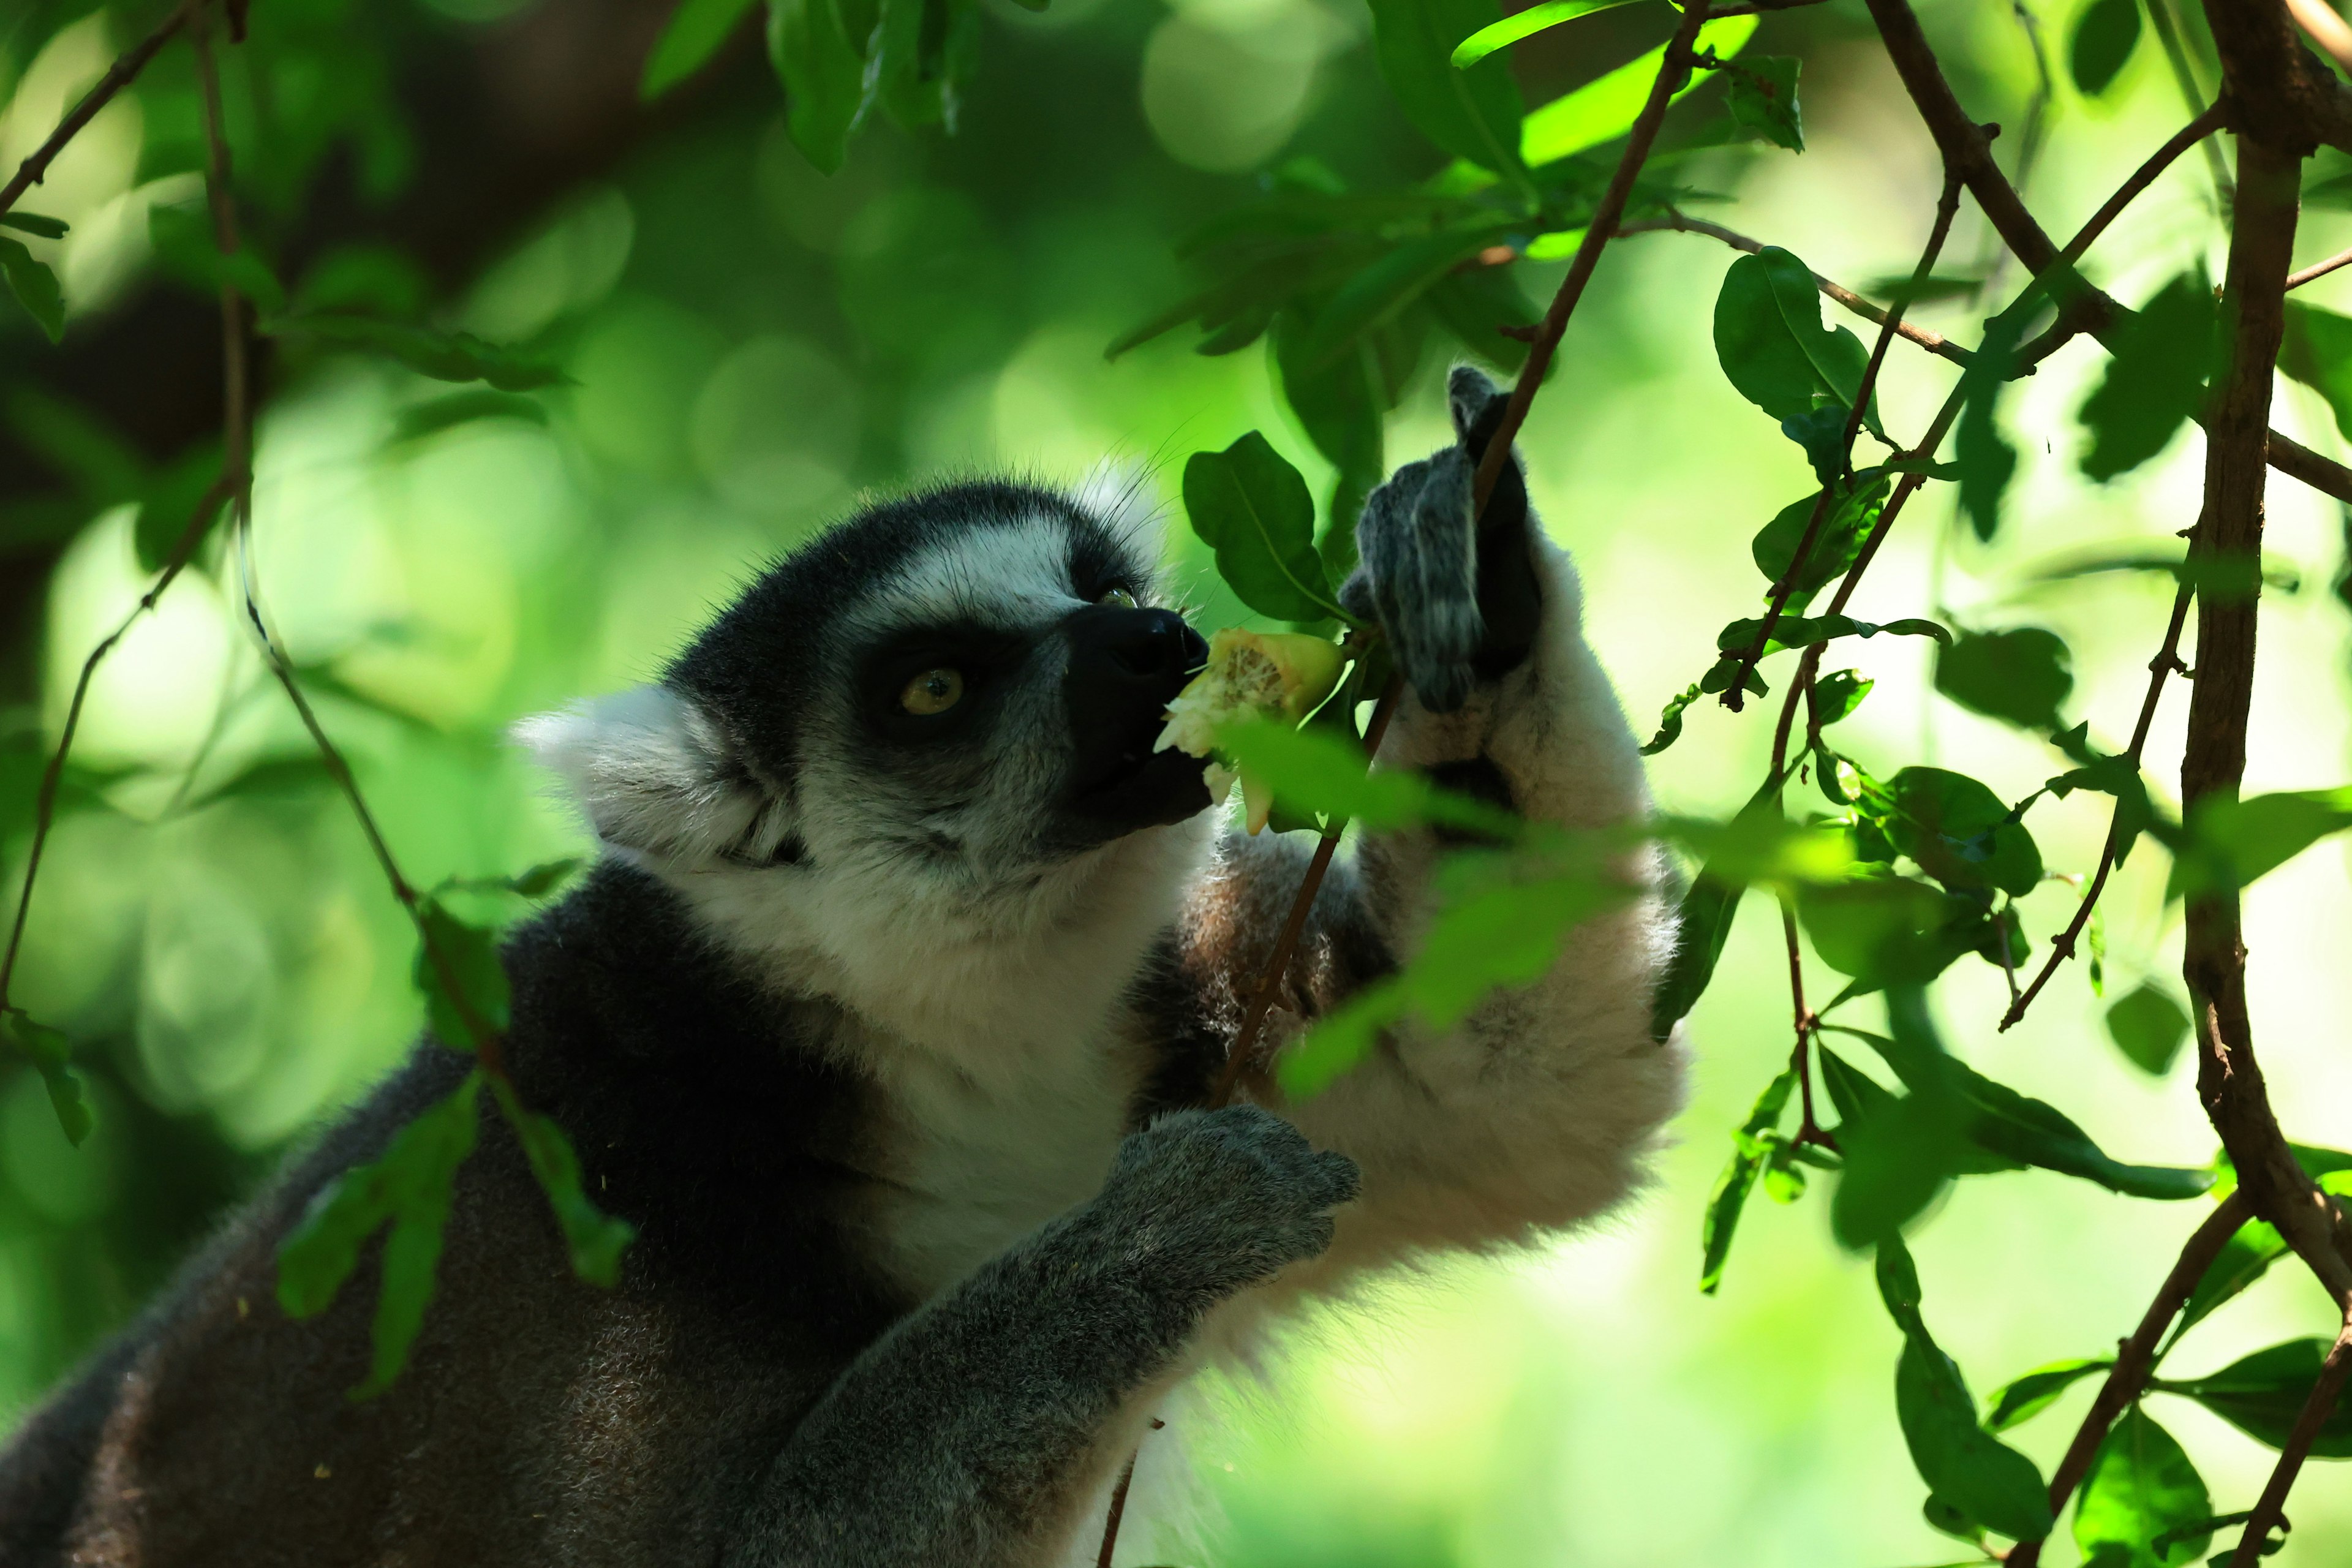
(887, 1017)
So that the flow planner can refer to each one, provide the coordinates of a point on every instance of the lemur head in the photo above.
(944, 697)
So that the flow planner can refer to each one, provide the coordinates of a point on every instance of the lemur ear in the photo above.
(1477, 405)
(655, 775)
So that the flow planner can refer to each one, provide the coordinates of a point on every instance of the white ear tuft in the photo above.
(651, 770)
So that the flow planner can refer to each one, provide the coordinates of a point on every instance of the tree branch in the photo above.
(2286, 97)
(119, 75)
(2318, 269)
(2229, 1079)
(2136, 1355)
(2271, 1507)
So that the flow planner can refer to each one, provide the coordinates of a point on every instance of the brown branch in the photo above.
(1947, 203)
(2271, 1507)
(1682, 222)
(2061, 946)
(2318, 269)
(1808, 1129)
(2213, 962)
(119, 75)
(2136, 1355)
(2286, 97)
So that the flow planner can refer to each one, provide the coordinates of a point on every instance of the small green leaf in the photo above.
(1837, 695)
(1739, 1178)
(695, 32)
(1703, 924)
(35, 288)
(1967, 1468)
(1375, 295)
(442, 356)
(1769, 339)
(2022, 676)
(1762, 97)
(1835, 544)
(2104, 36)
(1521, 25)
(823, 67)
(1804, 631)
(594, 1239)
(544, 878)
(469, 958)
(1982, 454)
(1670, 720)
(34, 223)
(2154, 382)
(2262, 1394)
(2022, 1398)
(1252, 508)
(1959, 832)
(1339, 405)
(2141, 1487)
(1473, 113)
(51, 1054)
(2149, 1028)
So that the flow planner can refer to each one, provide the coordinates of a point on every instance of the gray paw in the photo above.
(1215, 1201)
(1455, 593)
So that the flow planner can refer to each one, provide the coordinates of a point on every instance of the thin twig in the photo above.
(1682, 223)
(2271, 1507)
(1808, 1129)
(119, 75)
(2136, 1355)
(2061, 946)
(1947, 204)
(2319, 269)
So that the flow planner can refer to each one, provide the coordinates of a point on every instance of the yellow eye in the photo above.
(1117, 599)
(933, 692)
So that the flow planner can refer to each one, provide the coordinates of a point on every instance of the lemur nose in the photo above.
(1147, 646)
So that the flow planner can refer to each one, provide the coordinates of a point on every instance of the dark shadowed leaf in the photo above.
(431, 418)
(2233, 843)
(2318, 352)
(1958, 831)
(1804, 631)
(466, 957)
(444, 356)
(1983, 456)
(186, 244)
(1379, 292)
(2149, 1028)
(594, 1239)
(2156, 379)
(35, 222)
(2104, 36)
(35, 286)
(1251, 507)
(695, 32)
(1339, 405)
(2141, 1487)
(2022, 1398)
(1472, 112)
(1761, 95)
(1967, 1468)
(51, 1054)
(2262, 1394)
(823, 67)
(2022, 675)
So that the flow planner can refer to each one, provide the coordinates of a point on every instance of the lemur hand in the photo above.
(1213, 1201)
(1456, 595)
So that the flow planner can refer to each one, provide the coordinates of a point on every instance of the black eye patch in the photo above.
(981, 658)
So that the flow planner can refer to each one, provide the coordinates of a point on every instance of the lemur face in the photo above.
(966, 683)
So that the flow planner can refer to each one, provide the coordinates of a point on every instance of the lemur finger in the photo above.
(1511, 601)
(1338, 1179)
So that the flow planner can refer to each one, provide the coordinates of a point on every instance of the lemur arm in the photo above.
(978, 1428)
(1534, 1112)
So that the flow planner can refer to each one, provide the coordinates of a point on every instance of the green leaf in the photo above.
(1606, 107)
(1959, 832)
(2154, 382)
(442, 356)
(1804, 631)
(2022, 676)
(2262, 1394)
(1982, 454)
(594, 1239)
(1339, 405)
(1251, 507)
(1703, 924)
(434, 415)
(1887, 930)
(544, 878)
(470, 953)
(1961, 1463)
(1739, 1178)
(696, 31)
(1473, 113)
(823, 67)
(2244, 1259)
(2233, 843)
(51, 1052)
(1320, 771)
(1762, 97)
(35, 288)
(2318, 352)
(34, 223)
(1900, 1152)
(2022, 1398)
(2104, 36)
(185, 242)
(1852, 518)
(2149, 1028)
(1670, 720)
(1769, 339)
(1379, 293)
(1837, 695)
(2140, 1487)
(1521, 25)
(410, 1185)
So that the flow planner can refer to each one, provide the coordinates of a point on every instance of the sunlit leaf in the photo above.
(2022, 1398)
(594, 1239)
(1670, 720)
(1472, 112)
(1704, 922)
(2244, 1259)
(1606, 107)
(2022, 675)
(1739, 1178)
(1523, 23)
(1251, 507)
(1838, 694)
(1835, 544)
(696, 30)
(2141, 1487)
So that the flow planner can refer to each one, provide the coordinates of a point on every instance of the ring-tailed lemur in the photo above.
(885, 1016)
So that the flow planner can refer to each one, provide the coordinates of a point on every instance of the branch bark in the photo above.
(2271, 1507)
(121, 74)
